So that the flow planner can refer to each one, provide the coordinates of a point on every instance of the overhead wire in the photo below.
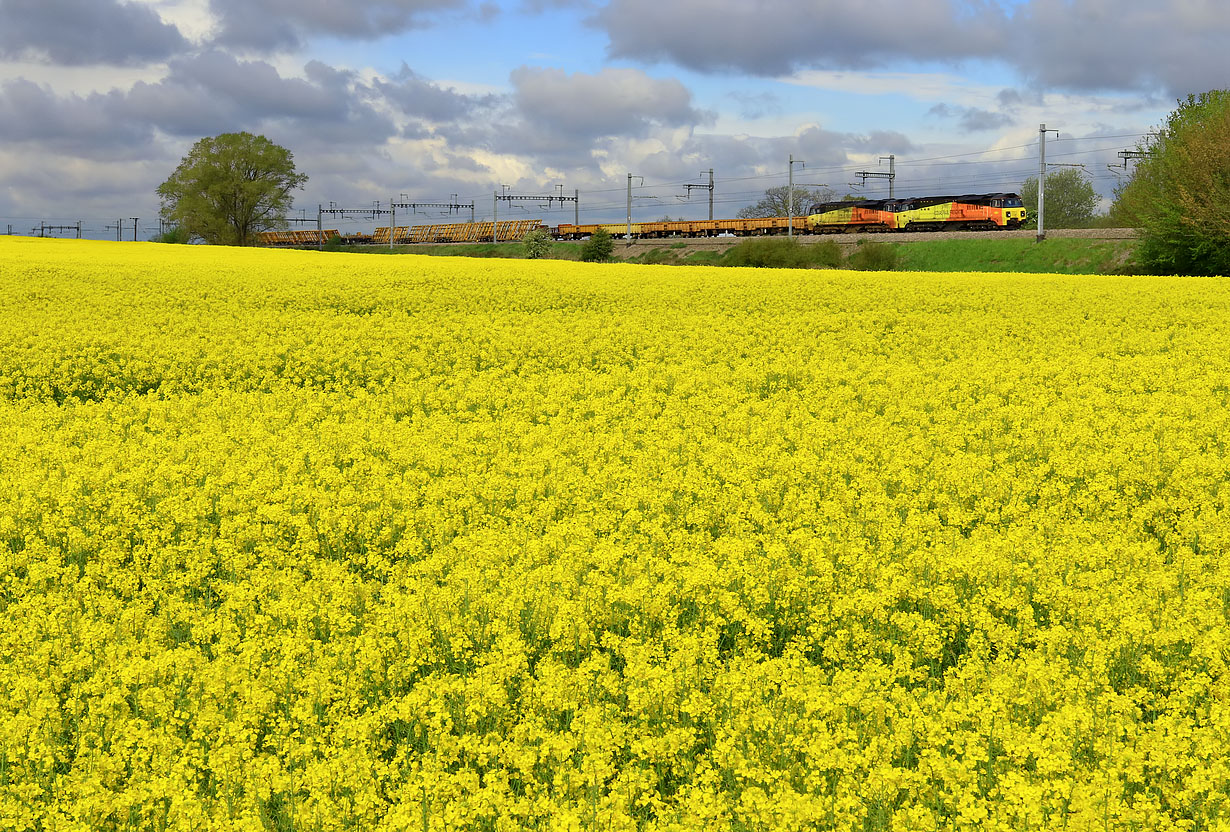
(990, 176)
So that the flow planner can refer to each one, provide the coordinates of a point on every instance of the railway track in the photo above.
(853, 239)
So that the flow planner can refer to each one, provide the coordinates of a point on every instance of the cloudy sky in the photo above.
(100, 99)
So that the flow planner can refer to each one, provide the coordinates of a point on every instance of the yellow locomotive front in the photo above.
(1012, 212)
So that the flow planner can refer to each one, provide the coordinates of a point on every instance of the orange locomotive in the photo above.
(971, 212)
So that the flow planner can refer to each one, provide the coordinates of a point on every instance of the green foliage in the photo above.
(177, 235)
(775, 203)
(333, 243)
(778, 253)
(874, 257)
(598, 248)
(1179, 195)
(703, 257)
(657, 257)
(230, 187)
(537, 244)
(1070, 199)
(996, 254)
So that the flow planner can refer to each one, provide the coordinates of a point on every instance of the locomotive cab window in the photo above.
(997, 203)
(1014, 203)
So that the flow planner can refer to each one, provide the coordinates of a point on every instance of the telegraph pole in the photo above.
(1042, 131)
(1041, 181)
(710, 194)
(495, 217)
(628, 236)
(44, 229)
(334, 211)
(547, 198)
(709, 186)
(892, 172)
(790, 197)
(134, 228)
(891, 176)
(452, 206)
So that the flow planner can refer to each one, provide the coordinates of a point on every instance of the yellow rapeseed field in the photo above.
(304, 541)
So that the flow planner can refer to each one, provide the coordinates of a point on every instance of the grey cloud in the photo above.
(418, 97)
(71, 123)
(971, 119)
(1081, 45)
(976, 120)
(61, 192)
(86, 32)
(539, 6)
(453, 162)
(280, 24)
(567, 121)
(1130, 44)
(202, 95)
(614, 102)
(775, 37)
(214, 92)
(1011, 99)
(883, 141)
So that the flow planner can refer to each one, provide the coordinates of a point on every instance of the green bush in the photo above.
(598, 248)
(874, 257)
(1178, 198)
(778, 253)
(1070, 199)
(177, 235)
(703, 258)
(825, 254)
(658, 257)
(537, 244)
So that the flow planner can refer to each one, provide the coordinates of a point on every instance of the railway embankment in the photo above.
(723, 243)
(1065, 251)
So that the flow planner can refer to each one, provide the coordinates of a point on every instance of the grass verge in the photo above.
(1056, 256)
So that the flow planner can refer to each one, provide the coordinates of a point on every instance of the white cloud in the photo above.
(921, 86)
(193, 18)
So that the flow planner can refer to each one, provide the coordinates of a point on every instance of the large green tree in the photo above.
(1070, 199)
(1178, 198)
(230, 187)
(774, 203)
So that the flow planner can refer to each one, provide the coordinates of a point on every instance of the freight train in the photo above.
(969, 212)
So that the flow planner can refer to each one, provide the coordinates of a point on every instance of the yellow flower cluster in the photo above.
(304, 541)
